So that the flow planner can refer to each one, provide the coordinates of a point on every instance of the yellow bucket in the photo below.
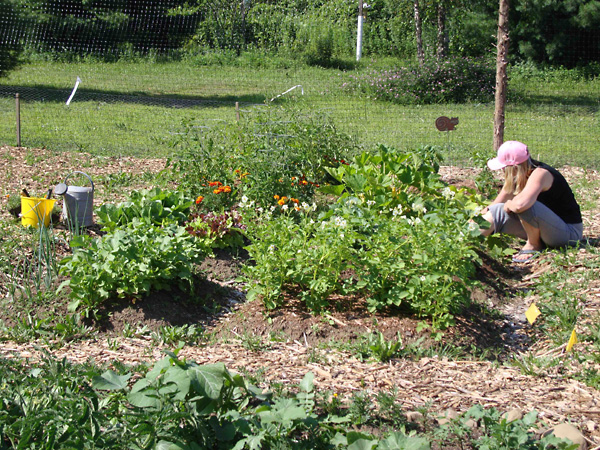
(33, 210)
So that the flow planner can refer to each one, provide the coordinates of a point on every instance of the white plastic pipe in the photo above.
(359, 37)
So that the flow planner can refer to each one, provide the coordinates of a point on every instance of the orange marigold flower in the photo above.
(284, 198)
(276, 197)
(215, 183)
(281, 202)
(297, 208)
(199, 199)
(217, 191)
(295, 200)
(227, 189)
(304, 182)
(237, 170)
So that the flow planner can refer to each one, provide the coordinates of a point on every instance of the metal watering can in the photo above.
(78, 201)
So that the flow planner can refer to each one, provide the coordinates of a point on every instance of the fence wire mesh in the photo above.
(142, 121)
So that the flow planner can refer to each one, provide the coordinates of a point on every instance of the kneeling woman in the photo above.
(536, 203)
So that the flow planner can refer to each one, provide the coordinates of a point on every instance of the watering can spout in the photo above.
(61, 189)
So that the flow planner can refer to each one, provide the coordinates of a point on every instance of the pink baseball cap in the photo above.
(510, 153)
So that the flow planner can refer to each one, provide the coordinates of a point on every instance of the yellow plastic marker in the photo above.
(572, 341)
(532, 313)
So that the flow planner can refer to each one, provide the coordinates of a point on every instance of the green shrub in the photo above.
(456, 80)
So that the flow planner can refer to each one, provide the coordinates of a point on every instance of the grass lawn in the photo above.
(136, 108)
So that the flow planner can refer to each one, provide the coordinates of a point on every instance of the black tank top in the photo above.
(559, 198)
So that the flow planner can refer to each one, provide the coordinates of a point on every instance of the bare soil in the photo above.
(281, 346)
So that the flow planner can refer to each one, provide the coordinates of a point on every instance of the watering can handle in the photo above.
(82, 173)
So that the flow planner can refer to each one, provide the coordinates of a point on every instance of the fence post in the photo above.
(359, 31)
(18, 108)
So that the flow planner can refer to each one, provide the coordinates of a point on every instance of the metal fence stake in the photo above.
(18, 107)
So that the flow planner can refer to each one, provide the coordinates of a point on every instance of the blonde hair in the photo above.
(515, 177)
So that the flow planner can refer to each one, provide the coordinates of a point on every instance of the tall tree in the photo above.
(442, 35)
(419, 32)
(559, 32)
(10, 48)
(501, 77)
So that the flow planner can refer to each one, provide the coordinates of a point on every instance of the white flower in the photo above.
(370, 203)
(272, 248)
(423, 278)
(273, 208)
(419, 207)
(244, 199)
(284, 208)
(260, 209)
(448, 193)
(305, 206)
(473, 226)
(397, 210)
(340, 222)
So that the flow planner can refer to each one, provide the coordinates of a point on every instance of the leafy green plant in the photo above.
(382, 349)
(153, 206)
(129, 262)
(396, 234)
(224, 230)
(501, 434)
(376, 346)
(188, 334)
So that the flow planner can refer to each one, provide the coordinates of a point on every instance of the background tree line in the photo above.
(555, 32)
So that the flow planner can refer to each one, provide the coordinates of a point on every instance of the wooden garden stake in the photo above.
(18, 108)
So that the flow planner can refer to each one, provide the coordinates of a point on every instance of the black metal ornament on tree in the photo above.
(443, 123)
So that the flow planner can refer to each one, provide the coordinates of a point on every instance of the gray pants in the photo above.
(553, 230)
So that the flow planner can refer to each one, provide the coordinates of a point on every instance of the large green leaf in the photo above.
(363, 444)
(336, 190)
(110, 381)
(356, 182)
(209, 379)
(399, 441)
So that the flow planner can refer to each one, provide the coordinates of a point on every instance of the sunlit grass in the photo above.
(556, 114)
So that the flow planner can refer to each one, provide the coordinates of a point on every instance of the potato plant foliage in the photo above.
(396, 234)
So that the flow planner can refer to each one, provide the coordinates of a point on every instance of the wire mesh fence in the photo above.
(146, 126)
(143, 119)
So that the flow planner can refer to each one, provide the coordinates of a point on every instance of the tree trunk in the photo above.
(419, 32)
(442, 35)
(501, 78)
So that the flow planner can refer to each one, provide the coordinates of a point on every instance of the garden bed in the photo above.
(281, 346)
